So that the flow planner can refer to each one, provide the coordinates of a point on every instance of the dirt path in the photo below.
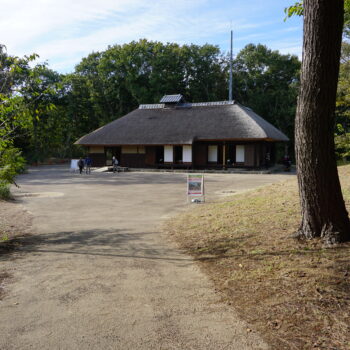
(100, 275)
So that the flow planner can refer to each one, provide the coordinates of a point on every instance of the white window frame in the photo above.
(212, 153)
(240, 154)
(168, 154)
(187, 154)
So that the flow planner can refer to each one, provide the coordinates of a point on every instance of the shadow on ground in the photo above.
(113, 243)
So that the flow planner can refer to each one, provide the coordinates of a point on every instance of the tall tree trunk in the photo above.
(322, 205)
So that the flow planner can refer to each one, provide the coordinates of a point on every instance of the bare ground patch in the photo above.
(296, 294)
(15, 222)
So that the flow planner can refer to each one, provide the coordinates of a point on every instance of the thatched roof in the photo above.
(184, 124)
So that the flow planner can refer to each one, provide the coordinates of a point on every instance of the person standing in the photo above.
(287, 163)
(88, 165)
(115, 164)
(267, 160)
(80, 165)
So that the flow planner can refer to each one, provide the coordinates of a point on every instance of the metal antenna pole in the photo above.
(230, 82)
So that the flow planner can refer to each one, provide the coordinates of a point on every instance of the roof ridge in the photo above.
(152, 106)
(189, 104)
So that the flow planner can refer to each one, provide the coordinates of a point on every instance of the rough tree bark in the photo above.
(322, 205)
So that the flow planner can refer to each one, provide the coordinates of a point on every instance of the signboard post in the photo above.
(195, 186)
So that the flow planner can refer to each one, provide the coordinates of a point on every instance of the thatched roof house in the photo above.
(178, 134)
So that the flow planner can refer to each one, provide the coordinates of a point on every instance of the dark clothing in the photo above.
(267, 160)
(81, 165)
(88, 163)
(287, 163)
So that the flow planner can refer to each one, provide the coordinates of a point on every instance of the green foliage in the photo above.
(297, 10)
(347, 18)
(11, 164)
(14, 114)
(45, 112)
(41, 93)
(294, 10)
(5, 194)
(268, 82)
(343, 98)
(109, 84)
(342, 134)
(342, 143)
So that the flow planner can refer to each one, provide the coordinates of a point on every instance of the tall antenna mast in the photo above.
(230, 82)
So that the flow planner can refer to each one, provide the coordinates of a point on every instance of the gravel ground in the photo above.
(97, 272)
(14, 220)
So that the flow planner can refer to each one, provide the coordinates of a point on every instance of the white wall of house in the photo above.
(240, 158)
(213, 153)
(168, 154)
(187, 154)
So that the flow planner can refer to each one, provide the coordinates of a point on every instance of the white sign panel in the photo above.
(74, 164)
(240, 154)
(168, 154)
(187, 154)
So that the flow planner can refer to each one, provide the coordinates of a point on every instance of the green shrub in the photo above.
(5, 192)
(11, 164)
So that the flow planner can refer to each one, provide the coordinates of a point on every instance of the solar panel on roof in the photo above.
(171, 98)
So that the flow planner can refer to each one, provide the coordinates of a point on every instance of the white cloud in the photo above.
(64, 31)
(293, 50)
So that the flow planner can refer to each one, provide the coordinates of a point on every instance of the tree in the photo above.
(40, 93)
(342, 131)
(111, 83)
(13, 113)
(322, 205)
(268, 82)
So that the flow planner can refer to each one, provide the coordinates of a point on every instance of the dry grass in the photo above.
(296, 294)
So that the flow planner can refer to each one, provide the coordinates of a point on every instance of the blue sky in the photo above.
(64, 31)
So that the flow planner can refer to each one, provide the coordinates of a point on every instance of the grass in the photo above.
(4, 237)
(296, 294)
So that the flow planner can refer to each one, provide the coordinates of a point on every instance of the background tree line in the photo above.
(107, 85)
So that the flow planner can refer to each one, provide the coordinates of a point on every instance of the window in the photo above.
(168, 154)
(213, 154)
(187, 154)
(240, 154)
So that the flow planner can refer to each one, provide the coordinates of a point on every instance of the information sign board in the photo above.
(195, 185)
(74, 164)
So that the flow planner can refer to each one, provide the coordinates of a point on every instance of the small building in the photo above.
(176, 134)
